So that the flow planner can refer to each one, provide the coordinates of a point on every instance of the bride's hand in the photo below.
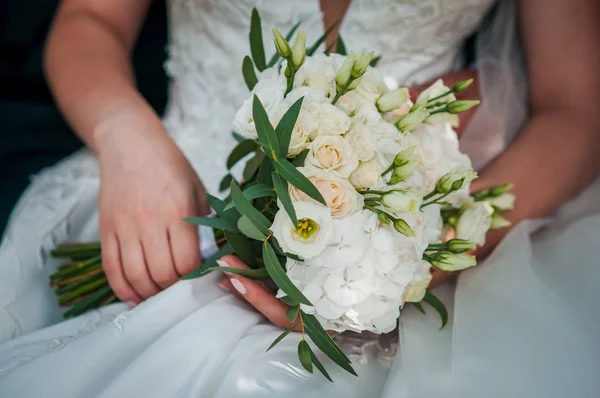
(147, 188)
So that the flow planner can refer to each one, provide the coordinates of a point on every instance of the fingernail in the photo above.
(131, 304)
(238, 286)
(221, 284)
(222, 263)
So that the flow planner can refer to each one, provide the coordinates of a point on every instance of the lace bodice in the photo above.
(418, 40)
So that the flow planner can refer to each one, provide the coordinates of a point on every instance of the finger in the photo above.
(113, 269)
(185, 247)
(158, 257)
(134, 266)
(257, 295)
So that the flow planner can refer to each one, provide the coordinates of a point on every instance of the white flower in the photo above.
(392, 100)
(436, 89)
(312, 234)
(506, 201)
(310, 94)
(340, 195)
(332, 153)
(362, 140)
(399, 201)
(351, 102)
(270, 93)
(332, 120)
(367, 174)
(415, 291)
(474, 222)
(455, 180)
(371, 85)
(306, 124)
(318, 72)
(447, 261)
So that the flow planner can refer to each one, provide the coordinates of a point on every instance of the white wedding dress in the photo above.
(523, 324)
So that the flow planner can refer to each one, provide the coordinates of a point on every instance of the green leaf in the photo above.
(281, 187)
(241, 149)
(289, 301)
(278, 248)
(297, 179)
(321, 39)
(248, 73)
(242, 247)
(304, 356)
(254, 192)
(258, 274)
(245, 208)
(213, 222)
(266, 134)
(209, 263)
(264, 172)
(319, 365)
(277, 273)
(238, 137)
(216, 204)
(252, 165)
(256, 41)
(281, 337)
(248, 229)
(288, 37)
(437, 305)
(225, 182)
(329, 48)
(286, 127)
(419, 308)
(299, 160)
(375, 60)
(292, 313)
(341, 47)
(325, 343)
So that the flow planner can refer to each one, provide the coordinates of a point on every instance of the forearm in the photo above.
(89, 70)
(554, 156)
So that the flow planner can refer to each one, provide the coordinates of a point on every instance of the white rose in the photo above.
(371, 85)
(340, 195)
(270, 93)
(310, 94)
(362, 139)
(317, 72)
(332, 153)
(367, 174)
(350, 102)
(306, 124)
(332, 120)
(312, 234)
(474, 222)
(368, 114)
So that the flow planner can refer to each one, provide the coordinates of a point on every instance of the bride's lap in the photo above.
(60, 205)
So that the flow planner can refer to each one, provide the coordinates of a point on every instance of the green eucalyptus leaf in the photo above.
(265, 131)
(310, 51)
(375, 60)
(286, 126)
(288, 37)
(238, 137)
(304, 356)
(242, 149)
(419, 308)
(341, 47)
(437, 305)
(254, 192)
(216, 204)
(242, 247)
(249, 73)
(281, 337)
(319, 365)
(292, 313)
(225, 182)
(277, 273)
(283, 193)
(244, 206)
(264, 172)
(252, 166)
(278, 248)
(257, 274)
(298, 161)
(248, 229)
(209, 263)
(213, 222)
(289, 301)
(297, 179)
(257, 47)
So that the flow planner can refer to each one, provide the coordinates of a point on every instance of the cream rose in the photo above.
(362, 140)
(305, 125)
(371, 86)
(340, 195)
(332, 153)
(366, 175)
(317, 72)
(332, 120)
(312, 234)
(270, 93)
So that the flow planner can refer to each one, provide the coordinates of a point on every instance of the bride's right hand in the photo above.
(147, 188)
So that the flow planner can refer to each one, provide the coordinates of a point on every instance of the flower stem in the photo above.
(441, 96)
(343, 91)
(388, 169)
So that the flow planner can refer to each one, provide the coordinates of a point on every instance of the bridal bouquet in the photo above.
(349, 192)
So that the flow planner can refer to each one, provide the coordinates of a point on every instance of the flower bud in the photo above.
(402, 226)
(500, 189)
(499, 222)
(460, 245)
(401, 201)
(344, 73)
(413, 119)
(299, 50)
(361, 63)
(281, 44)
(454, 180)
(383, 218)
(447, 261)
(460, 106)
(462, 85)
(503, 202)
(393, 100)
(402, 173)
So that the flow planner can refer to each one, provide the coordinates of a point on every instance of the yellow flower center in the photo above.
(306, 230)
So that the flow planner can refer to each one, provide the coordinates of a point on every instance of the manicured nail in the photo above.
(222, 285)
(222, 263)
(238, 286)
